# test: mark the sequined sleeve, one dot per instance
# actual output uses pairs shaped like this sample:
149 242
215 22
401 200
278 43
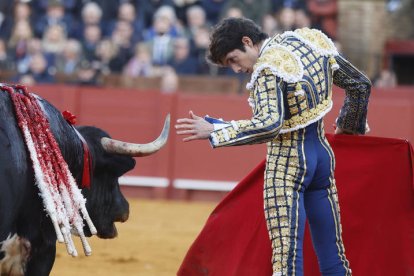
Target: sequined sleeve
353 114
266 121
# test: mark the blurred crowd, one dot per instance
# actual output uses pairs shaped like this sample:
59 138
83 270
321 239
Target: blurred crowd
85 39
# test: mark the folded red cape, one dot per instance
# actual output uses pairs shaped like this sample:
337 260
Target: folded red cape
375 185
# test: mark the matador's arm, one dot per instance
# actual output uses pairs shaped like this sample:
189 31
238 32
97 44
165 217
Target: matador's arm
266 121
353 114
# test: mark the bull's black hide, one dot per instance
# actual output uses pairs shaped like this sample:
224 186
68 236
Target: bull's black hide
21 208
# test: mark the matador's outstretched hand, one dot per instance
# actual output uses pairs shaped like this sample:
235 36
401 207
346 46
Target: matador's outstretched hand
194 127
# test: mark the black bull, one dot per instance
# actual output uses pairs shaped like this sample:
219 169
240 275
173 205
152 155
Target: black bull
21 208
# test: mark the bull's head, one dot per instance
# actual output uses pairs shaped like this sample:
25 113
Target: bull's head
105 202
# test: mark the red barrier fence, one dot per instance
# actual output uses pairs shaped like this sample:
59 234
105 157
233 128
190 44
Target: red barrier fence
188 170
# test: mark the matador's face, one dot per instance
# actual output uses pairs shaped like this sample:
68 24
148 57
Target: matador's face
242 61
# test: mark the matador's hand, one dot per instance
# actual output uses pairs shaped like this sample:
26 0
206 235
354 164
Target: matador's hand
195 127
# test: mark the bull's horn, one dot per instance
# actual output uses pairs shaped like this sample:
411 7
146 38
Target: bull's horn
137 150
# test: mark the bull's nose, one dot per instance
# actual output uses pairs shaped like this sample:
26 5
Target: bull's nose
122 217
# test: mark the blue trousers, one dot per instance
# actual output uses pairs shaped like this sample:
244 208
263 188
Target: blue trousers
300 184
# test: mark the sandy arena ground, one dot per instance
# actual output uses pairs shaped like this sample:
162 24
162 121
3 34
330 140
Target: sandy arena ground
152 242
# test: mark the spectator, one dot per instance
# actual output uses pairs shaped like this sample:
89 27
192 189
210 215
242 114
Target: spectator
87 74
196 19
91 15
128 14
20 36
213 9
160 37
106 53
181 8
270 25
6 7
54 40
250 8
234 12
71 7
122 37
6 63
69 60
169 81
165 22
302 19
286 19
91 38
55 15
38 70
200 41
21 12
147 8
182 62
140 64
109 8
278 5
34 46
124 23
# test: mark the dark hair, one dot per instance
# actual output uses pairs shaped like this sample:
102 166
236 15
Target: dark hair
227 36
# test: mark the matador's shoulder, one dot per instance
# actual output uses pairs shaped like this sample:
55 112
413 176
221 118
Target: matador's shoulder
315 39
280 61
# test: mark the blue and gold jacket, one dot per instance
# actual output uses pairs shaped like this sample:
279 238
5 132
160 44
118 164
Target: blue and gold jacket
291 88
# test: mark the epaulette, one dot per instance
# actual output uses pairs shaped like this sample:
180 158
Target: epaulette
318 41
281 62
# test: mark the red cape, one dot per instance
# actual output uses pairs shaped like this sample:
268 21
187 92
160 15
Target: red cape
375 184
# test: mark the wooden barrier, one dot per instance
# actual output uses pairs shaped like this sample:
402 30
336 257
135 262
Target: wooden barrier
186 83
193 170
209 85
